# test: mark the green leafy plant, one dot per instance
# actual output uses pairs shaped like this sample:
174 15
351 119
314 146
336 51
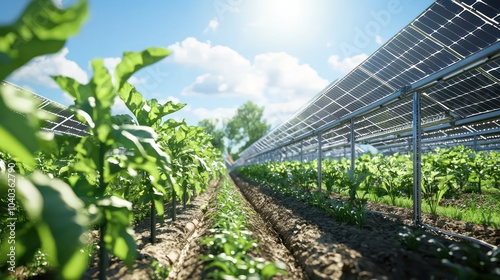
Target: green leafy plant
159 271
411 239
231 241
98 182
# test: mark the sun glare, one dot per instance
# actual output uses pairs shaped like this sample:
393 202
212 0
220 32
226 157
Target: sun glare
282 18
284 14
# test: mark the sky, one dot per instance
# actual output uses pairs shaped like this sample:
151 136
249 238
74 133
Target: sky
276 53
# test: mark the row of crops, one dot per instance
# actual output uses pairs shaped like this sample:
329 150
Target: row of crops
447 174
55 189
231 241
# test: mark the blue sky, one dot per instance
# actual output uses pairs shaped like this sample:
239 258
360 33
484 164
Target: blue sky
276 53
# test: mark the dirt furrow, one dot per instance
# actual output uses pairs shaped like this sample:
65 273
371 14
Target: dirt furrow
270 245
172 239
328 249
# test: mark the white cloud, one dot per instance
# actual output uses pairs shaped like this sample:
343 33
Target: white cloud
68 99
41 68
347 64
58 3
110 63
169 98
136 81
217 113
173 99
119 107
378 39
272 80
212 26
228 73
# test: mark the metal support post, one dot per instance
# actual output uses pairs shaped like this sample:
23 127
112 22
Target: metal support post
474 145
320 159
353 146
301 151
417 159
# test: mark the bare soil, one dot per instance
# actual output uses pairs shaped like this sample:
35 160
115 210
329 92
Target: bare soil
310 243
176 241
179 245
328 249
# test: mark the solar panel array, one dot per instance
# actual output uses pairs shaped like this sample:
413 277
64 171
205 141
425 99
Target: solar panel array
442 36
64 120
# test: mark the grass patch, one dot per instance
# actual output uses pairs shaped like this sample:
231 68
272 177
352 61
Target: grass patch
473 208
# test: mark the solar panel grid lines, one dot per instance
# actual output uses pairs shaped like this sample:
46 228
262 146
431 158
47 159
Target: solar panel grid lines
447 39
65 121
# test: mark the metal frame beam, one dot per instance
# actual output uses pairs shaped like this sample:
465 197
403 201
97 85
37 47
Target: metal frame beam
460 67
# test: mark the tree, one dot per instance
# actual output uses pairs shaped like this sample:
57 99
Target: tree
245 127
217 134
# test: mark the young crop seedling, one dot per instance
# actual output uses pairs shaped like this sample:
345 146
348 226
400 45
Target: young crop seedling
231 241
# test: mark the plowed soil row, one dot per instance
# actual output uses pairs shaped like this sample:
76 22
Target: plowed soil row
328 249
174 240
270 248
179 245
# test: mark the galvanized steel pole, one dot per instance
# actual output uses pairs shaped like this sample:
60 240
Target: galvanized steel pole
320 159
353 146
417 159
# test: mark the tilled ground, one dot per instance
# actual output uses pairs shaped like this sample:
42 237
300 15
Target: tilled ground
179 245
270 248
174 243
328 249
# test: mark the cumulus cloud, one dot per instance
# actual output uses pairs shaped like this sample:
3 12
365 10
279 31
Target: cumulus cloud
40 69
212 26
119 107
347 64
136 81
378 39
58 3
110 63
217 113
268 79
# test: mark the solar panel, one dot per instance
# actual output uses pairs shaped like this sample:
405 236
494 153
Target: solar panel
65 121
442 36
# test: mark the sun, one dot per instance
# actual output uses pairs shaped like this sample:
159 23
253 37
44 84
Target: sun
281 23
284 14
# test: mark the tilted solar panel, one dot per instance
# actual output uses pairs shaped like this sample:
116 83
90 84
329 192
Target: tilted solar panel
443 35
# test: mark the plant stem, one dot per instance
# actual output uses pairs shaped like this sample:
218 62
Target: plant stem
153 222
103 254
174 205
184 194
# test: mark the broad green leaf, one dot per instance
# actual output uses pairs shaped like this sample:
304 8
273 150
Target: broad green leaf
102 87
59 228
19 124
141 139
132 99
76 90
119 237
158 202
19 141
122 119
134 61
171 107
149 113
42 29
